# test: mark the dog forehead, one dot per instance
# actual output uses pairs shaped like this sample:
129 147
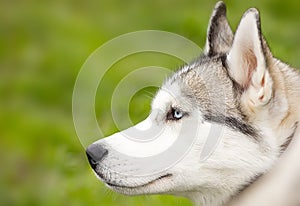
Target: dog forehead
167 95
204 68
201 83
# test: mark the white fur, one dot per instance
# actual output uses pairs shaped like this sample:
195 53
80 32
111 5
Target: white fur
237 158
199 181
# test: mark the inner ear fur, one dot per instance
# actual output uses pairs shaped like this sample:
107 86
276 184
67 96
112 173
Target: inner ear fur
248 60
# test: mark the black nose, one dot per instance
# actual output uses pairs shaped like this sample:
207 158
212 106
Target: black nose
95 154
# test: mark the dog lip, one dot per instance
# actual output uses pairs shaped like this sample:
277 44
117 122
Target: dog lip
143 185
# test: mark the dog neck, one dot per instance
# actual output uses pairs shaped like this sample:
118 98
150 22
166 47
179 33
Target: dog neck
213 197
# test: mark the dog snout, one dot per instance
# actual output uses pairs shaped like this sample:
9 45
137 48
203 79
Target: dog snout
95 154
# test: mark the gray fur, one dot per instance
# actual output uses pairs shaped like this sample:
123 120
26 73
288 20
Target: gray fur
219 34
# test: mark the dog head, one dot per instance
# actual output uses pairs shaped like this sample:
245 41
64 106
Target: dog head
208 132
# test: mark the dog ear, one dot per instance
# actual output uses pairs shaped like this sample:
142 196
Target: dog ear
219 34
247 60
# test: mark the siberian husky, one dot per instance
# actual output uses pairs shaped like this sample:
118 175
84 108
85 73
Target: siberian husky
235 87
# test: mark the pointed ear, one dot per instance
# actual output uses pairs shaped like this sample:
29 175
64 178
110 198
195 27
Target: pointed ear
247 60
219 34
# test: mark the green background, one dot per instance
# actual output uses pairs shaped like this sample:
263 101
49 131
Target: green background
43 45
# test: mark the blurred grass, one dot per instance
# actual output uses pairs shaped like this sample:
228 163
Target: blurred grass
42 47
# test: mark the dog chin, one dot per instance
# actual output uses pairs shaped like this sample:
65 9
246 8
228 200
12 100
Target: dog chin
154 186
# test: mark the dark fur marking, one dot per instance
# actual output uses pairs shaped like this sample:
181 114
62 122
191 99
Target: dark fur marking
289 139
235 124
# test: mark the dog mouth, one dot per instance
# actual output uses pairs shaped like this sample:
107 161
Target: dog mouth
139 186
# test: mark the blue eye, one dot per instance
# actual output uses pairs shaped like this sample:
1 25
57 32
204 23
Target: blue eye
175 114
